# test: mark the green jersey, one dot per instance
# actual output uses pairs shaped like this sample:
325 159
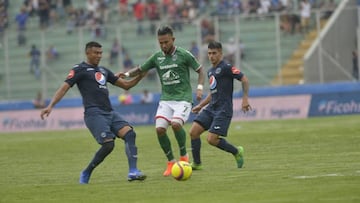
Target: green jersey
174 73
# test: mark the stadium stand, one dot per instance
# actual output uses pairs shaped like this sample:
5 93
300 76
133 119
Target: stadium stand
259 36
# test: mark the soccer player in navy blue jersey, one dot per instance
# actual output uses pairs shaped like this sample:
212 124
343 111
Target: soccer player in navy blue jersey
104 123
216 110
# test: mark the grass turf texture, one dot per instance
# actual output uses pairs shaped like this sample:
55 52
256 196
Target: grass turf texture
312 160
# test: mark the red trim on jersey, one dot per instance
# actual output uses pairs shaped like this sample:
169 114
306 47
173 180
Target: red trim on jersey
234 70
71 74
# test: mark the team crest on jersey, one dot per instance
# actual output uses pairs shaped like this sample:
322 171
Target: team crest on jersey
218 70
100 78
174 57
71 74
212 82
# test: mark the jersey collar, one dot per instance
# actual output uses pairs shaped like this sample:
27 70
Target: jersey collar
172 53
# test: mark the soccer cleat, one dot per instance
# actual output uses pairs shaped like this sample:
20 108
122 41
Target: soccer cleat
185 158
84 177
136 175
239 157
167 172
195 166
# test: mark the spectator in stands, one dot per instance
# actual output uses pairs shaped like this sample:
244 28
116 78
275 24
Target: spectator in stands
328 8
32 7
175 16
71 21
39 101
231 49
146 97
153 14
98 29
3 20
264 8
21 20
52 53
207 31
35 61
194 49
128 62
305 12
114 51
139 13
125 98
123 8
44 14
355 65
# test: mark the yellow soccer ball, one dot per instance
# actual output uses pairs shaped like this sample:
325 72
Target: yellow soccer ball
181 170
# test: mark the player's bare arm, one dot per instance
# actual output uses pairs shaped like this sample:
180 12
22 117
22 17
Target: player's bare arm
245 98
131 73
200 87
127 84
202 103
59 94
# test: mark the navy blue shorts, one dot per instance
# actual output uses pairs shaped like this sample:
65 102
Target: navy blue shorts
214 122
104 125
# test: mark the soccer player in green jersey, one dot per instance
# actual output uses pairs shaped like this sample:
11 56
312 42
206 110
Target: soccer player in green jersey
173 65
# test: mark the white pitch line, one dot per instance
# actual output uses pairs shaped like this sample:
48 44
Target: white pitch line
318 176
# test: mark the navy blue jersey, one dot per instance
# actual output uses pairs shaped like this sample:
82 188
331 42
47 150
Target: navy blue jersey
92 84
221 80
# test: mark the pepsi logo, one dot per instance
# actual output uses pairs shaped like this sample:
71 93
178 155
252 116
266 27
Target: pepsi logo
100 78
212 82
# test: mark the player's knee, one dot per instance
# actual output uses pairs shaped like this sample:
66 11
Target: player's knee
108 146
160 131
193 134
176 124
212 140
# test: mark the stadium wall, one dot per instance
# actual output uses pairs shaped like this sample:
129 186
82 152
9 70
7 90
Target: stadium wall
268 103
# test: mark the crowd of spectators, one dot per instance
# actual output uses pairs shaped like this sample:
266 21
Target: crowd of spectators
95 14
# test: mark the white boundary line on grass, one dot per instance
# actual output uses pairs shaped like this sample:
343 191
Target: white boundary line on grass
326 175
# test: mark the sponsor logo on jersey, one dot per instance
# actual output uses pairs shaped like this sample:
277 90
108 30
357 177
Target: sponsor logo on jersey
89 69
100 78
212 82
170 78
71 74
168 66
161 59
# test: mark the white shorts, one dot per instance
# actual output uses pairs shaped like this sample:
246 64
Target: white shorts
177 111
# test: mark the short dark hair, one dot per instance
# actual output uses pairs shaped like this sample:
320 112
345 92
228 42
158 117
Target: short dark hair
214 45
92 44
164 30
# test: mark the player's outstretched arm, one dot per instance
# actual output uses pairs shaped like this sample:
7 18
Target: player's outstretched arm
127 84
131 73
202 103
59 94
200 87
245 98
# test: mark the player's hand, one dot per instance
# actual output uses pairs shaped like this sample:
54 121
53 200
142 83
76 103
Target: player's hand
199 94
246 107
45 113
196 109
120 75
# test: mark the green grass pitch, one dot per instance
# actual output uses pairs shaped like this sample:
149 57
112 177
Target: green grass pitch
305 160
